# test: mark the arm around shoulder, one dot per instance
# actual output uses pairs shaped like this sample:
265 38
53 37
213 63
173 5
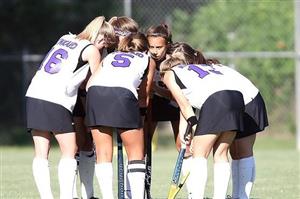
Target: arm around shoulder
146 85
92 55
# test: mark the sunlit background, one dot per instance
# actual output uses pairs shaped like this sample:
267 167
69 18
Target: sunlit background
255 37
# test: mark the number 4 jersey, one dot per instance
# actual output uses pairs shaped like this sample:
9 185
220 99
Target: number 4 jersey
198 82
58 70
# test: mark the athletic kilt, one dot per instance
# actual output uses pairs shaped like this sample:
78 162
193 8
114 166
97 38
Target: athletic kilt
255 117
47 116
222 111
163 110
79 110
113 107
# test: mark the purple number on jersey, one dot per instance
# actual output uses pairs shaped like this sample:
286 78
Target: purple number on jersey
202 73
122 60
139 54
54 63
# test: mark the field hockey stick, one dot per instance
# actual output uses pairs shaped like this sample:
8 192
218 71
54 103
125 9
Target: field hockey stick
148 157
175 184
121 194
148 167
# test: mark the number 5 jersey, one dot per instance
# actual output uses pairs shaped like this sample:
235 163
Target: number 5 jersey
122 69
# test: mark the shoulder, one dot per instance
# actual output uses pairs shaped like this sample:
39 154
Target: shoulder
169 76
90 51
151 64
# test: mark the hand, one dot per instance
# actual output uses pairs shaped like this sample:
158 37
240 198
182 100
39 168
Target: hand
188 150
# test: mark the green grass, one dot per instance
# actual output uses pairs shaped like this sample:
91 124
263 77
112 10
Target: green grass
277 175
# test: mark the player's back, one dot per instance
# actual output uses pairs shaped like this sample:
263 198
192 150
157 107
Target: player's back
201 81
122 69
55 72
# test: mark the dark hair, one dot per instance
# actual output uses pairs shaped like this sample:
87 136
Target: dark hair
212 61
134 42
161 30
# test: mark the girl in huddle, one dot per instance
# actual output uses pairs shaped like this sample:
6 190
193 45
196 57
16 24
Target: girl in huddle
116 92
217 92
254 118
51 97
161 106
123 26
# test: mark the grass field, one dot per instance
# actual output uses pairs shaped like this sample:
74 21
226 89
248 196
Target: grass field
278 174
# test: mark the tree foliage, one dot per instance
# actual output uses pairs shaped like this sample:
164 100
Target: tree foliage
249 26
36 25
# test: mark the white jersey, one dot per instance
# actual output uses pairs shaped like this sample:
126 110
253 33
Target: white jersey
60 74
201 81
122 69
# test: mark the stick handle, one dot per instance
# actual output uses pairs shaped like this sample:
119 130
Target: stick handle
121 194
188 131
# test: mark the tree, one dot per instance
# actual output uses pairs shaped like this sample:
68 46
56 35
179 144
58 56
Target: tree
249 26
36 25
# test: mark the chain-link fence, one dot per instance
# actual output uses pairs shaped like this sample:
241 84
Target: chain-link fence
255 37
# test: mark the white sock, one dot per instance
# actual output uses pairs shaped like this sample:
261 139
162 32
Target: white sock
221 179
104 173
198 177
41 174
186 168
75 194
246 177
235 178
86 173
127 189
66 176
136 177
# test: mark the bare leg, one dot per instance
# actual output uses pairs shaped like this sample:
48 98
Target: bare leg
86 162
202 145
221 164
243 166
133 141
103 139
67 164
40 167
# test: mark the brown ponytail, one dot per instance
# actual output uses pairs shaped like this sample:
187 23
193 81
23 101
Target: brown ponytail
134 42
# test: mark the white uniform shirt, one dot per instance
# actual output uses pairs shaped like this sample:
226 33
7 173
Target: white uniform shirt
201 81
56 80
122 69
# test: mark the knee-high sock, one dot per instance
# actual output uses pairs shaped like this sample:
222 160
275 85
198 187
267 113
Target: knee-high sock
75 194
86 173
198 177
136 177
186 168
66 176
221 179
246 176
104 173
235 178
41 174
127 184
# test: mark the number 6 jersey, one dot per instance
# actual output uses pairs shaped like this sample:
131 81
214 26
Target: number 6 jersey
57 72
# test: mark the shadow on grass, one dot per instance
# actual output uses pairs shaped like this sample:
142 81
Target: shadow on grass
203 198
